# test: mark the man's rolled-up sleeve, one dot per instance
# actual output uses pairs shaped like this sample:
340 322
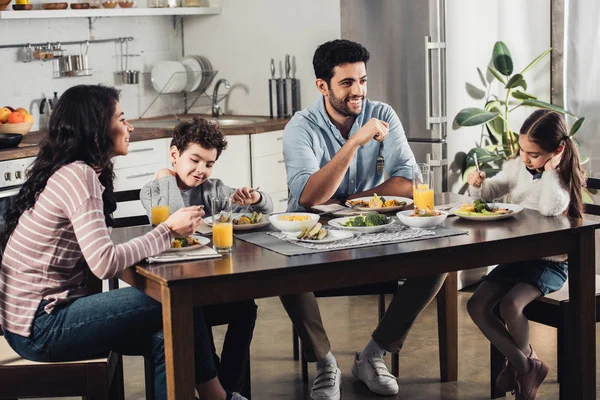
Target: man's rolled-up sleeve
300 159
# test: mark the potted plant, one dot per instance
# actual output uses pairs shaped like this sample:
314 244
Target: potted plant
498 141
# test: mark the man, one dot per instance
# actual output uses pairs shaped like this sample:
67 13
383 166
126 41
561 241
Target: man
331 151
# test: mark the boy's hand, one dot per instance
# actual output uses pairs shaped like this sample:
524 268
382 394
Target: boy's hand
164 172
246 196
476 179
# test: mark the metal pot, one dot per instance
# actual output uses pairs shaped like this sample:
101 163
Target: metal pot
131 77
73 65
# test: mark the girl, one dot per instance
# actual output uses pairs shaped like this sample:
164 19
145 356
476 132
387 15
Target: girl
59 224
195 148
547 177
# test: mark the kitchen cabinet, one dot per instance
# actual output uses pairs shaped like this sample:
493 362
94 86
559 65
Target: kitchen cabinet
233 165
268 167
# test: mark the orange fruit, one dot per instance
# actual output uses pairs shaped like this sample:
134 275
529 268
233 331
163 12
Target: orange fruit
28 118
22 111
16 118
4 113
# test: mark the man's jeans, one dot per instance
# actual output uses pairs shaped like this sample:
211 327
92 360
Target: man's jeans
124 320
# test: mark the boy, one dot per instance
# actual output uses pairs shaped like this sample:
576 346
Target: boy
195 148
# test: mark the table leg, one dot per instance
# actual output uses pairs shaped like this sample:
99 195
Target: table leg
447 309
178 325
583 318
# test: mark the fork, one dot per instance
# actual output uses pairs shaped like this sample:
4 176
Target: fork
380 160
476 162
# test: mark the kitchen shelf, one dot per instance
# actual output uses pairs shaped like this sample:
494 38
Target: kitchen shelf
109 12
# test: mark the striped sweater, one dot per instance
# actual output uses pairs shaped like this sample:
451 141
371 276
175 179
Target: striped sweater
42 257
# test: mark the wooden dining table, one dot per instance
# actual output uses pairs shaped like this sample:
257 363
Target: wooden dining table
255 272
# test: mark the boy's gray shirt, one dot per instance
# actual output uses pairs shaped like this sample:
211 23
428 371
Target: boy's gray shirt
165 192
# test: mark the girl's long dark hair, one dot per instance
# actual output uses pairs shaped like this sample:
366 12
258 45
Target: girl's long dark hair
548 130
78 131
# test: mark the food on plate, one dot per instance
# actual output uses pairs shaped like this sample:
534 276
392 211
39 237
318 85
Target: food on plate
368 220
184 242
376 202
317 232
480 207
292 217
247 220
425 212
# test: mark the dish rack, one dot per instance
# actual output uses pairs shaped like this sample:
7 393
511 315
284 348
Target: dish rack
190 99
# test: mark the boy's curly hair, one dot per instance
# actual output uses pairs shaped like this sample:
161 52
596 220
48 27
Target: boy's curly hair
201 131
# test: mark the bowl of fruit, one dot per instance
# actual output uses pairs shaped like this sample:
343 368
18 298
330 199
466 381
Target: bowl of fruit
15 120
422 218
294 221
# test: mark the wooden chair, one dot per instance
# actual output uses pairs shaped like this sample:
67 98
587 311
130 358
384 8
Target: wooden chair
551 310
447 308
99 379
129 195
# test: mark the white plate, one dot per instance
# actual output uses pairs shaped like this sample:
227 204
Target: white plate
168 77
194 73
203 242
264 221
474 217
332 236
382 209
338 223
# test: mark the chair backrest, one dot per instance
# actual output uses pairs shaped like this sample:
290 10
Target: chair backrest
129 195
592 183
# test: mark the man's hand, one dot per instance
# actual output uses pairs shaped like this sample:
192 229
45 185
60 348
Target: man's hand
374 129
165 172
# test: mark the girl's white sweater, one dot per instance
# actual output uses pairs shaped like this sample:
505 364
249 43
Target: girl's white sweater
546 194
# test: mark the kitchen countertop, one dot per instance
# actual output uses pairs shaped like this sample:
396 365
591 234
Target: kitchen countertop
29 145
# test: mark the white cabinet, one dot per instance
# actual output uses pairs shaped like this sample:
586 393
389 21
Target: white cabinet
233 166
268 167
137 168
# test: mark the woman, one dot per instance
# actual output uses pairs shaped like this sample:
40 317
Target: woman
59 224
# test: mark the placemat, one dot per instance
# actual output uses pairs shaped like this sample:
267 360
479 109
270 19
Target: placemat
396 233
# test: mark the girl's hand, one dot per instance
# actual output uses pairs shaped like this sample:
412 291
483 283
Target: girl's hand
246 196
164 172
185 221
552 162
476 179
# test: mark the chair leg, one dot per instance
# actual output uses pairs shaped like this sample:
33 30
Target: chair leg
119 385
381 305
496 362
563 356
149 377
447 311
295 341
396 364
304 367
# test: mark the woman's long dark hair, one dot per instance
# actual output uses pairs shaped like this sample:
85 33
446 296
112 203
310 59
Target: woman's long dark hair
78 131
548 130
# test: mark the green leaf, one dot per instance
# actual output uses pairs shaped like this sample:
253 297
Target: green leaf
502 59
506 146
497 74
583 159
517 94
496 126
485 84
472 117
576 126
538 58
513 81
587 198
543 104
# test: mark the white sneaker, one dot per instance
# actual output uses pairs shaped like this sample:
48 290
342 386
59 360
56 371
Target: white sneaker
326 385
373 372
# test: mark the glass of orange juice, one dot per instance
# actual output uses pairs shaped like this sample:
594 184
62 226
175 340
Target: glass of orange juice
159 214
222 224
423 186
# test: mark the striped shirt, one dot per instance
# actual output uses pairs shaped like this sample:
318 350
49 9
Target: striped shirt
42 259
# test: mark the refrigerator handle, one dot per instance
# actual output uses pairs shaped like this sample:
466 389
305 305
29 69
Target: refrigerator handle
429 119
427 86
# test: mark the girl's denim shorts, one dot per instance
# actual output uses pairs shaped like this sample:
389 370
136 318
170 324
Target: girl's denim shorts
547 275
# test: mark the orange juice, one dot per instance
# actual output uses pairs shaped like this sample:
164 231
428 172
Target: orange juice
423 196
159 214
222 236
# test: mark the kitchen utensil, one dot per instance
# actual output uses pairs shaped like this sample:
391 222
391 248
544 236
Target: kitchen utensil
295 90
380 160
8 140
168 77
279 93
194 73
287 89
476 162
271 85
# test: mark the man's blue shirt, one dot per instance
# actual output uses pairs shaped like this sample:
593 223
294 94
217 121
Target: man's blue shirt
311 140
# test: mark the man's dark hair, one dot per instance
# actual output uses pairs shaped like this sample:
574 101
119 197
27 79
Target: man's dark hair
201 131
337 52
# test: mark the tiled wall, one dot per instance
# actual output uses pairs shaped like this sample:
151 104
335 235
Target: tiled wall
155 39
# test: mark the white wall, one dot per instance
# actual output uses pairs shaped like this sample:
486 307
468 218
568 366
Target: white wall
242 40
473 26
24 83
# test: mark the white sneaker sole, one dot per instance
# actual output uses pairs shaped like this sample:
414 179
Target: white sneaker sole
375 387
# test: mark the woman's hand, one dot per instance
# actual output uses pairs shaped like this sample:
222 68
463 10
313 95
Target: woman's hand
185 221
164 172
476 179
246 196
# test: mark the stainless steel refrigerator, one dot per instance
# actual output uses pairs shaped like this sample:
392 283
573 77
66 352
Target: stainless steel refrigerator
407 70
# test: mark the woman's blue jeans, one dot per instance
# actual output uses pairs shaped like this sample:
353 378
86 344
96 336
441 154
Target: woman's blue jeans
124 320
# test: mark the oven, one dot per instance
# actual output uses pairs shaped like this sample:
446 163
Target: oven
12 176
